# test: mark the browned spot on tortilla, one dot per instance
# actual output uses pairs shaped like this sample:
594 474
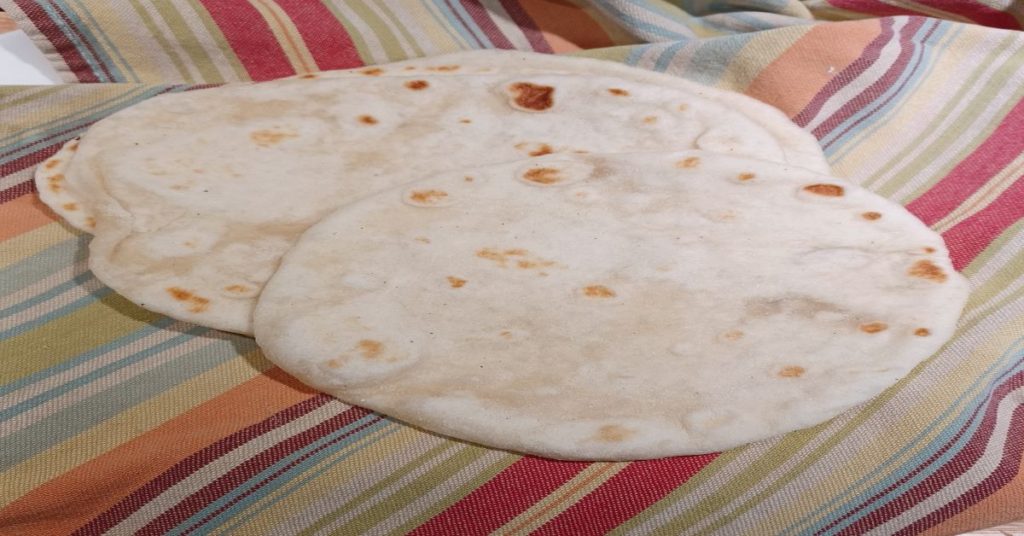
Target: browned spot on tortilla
199 303
427 197
374 71
267 137
599 291
333 363
581 151
417 85
533 96
368 120
926 269
444 68
612 433
466 121
922 332
54 183
529 265
929 250
456 282
618 92
871 215
733 335
238 289
410 68
423 239
70 206
90 222
517 252
52 163
308 76
467 178
745 176
539 149
503 257
370 348
179 187
542 175
792 371
189 244
650 119
73 145
506 333
874 327
827 190
683 107
688 162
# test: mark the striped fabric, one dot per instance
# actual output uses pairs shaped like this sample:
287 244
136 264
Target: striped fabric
114 419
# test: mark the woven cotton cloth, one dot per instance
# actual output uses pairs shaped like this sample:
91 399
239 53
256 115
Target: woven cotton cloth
115 419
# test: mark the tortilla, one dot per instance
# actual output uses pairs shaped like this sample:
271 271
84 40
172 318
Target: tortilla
612 307
193 197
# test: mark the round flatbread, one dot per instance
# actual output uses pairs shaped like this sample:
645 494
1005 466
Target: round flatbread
612 307
193 197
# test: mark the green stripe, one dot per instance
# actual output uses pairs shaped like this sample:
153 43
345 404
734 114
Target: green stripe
84 104
27 94
154 31
458 494
377 26
222 43
419 488
110 48
201 61
369 493
401 28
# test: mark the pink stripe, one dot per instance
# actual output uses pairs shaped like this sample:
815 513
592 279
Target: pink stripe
997 151
970 237
847 75
486 25
879 86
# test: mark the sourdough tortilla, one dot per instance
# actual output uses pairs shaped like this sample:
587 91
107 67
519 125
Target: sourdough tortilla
193 197
612 307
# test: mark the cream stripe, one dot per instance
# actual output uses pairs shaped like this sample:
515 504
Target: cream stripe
565 496
461 42
446 453
172 41
77 292
871 152
61 276
127 425
342 484
375 49
101 384
408 50
226 462
440 491
218 61
287 35
63 377
31 243
421 23
978 472
983 196
509 29
887 56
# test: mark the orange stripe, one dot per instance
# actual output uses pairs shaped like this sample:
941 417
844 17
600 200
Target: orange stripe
565 26
72 499
564 496
23 215
794 78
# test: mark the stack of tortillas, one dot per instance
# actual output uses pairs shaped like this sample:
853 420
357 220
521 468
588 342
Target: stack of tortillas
557 256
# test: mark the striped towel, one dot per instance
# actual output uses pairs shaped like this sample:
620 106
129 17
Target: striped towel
116 419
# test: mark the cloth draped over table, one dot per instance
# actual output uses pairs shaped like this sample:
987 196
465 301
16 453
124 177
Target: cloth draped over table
116 419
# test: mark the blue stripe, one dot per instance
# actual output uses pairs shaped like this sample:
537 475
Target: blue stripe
467 26
93 23
67 309
669 54
965 416
313 454
79 279
712 57
634 23
54 9
43 264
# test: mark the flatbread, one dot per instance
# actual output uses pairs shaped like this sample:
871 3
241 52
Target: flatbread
193 197
612 307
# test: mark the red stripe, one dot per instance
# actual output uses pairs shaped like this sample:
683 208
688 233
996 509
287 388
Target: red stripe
250 37
878 87
976 12
625 495
892 94
510 493
186 467
323 34
970 237
847 75
963 461
527 25
55 35
997 151
486 25
873 7
198 500
1004 473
